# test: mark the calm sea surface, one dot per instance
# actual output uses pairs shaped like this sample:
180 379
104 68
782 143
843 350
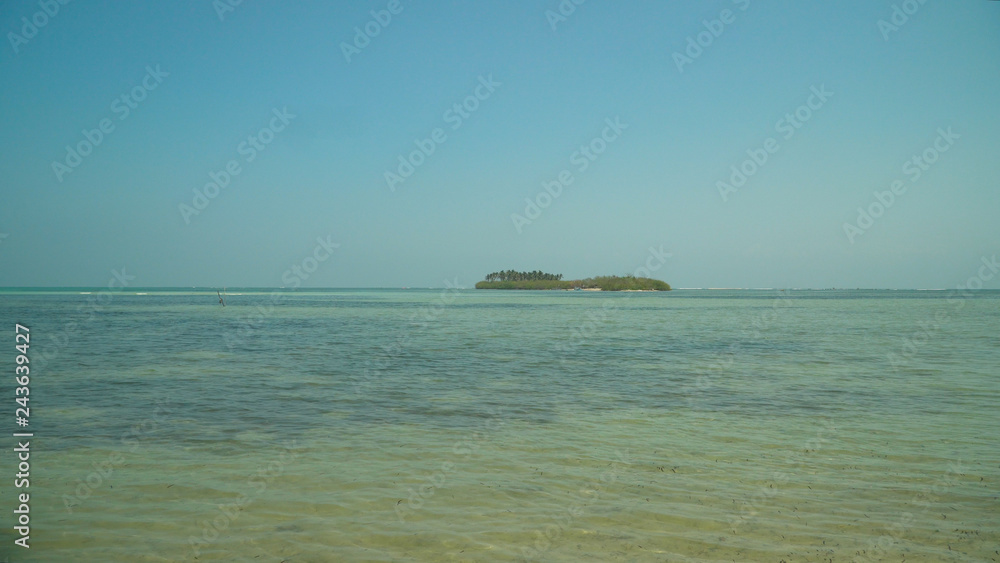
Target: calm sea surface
446 425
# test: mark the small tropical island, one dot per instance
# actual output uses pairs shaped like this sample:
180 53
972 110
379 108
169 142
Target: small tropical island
510 279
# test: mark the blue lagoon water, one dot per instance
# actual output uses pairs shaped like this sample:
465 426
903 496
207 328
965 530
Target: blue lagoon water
462 425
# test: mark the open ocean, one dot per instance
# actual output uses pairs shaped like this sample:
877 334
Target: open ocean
463 425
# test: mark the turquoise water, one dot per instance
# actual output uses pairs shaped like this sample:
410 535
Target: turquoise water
444 425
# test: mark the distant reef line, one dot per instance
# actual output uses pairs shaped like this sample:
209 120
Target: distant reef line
539 280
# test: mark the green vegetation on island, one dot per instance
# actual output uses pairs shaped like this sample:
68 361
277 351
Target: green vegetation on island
510 279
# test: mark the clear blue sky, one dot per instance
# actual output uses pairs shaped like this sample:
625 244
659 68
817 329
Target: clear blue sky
323 174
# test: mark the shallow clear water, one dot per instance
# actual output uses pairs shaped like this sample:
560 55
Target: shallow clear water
430 425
